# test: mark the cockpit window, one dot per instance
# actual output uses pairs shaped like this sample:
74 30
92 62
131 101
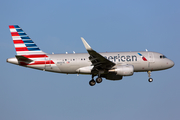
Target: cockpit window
162 56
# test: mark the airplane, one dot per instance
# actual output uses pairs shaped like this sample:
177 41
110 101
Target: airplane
112 65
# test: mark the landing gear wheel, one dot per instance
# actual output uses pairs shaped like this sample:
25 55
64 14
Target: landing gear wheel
150 79
98 79
92 82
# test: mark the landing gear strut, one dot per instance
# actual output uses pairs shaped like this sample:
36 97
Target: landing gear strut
149 75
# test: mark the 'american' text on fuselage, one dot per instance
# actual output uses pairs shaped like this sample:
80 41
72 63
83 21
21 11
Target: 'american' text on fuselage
123 58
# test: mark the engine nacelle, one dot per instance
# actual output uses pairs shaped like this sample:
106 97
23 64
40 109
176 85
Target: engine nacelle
123 70
113 76
85 70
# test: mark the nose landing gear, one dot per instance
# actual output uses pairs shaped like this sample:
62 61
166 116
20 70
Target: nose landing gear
150 79
149 75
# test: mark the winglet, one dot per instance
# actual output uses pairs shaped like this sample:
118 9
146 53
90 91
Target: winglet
86 44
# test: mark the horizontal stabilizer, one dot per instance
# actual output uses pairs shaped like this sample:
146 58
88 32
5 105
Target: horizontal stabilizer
21 58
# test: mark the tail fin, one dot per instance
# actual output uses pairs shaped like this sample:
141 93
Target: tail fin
22 42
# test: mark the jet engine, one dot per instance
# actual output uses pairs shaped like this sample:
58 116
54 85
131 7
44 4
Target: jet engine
85 70
123 70
113 76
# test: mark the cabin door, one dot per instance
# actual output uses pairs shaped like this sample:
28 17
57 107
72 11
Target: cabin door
150 59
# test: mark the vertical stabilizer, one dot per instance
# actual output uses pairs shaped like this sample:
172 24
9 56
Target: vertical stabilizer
22 42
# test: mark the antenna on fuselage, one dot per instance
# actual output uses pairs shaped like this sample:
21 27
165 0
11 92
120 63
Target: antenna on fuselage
146 50
74 52
66 52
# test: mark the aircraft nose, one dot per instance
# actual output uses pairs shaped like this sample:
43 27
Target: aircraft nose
171 63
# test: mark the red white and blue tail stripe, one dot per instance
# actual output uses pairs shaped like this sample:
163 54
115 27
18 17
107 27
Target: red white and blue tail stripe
22 42
28 53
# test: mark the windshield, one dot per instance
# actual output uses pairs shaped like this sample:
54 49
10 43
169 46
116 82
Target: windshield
162 56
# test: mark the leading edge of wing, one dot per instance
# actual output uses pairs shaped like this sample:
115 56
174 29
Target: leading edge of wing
97 59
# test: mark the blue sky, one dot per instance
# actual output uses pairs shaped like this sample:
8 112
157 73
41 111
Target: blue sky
116 25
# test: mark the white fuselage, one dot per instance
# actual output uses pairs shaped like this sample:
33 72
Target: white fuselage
70 63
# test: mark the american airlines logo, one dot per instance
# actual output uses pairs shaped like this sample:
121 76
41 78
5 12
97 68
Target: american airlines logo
142 57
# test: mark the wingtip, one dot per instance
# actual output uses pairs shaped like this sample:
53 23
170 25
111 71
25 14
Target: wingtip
87 46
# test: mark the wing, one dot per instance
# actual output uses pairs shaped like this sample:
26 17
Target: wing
99 62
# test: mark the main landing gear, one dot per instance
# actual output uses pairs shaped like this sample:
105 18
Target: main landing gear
149 75
93 82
